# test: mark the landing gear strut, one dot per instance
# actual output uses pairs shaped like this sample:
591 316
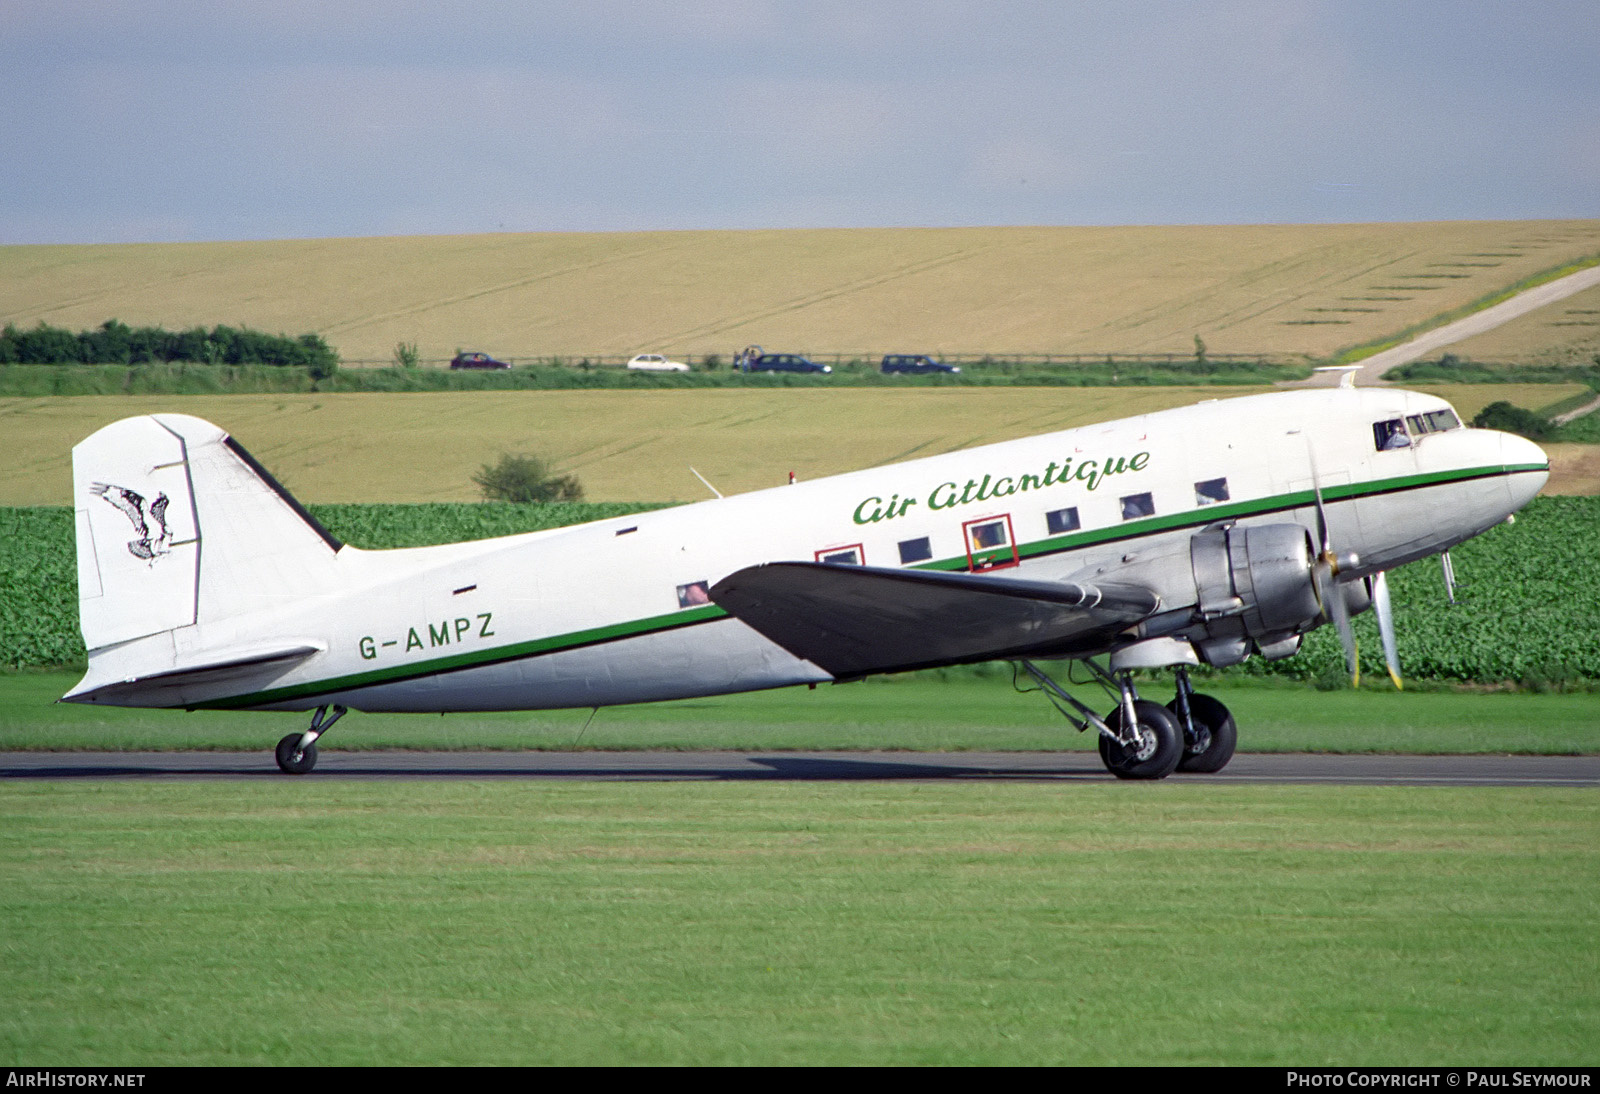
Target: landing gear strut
1138 740
1145 740
297 752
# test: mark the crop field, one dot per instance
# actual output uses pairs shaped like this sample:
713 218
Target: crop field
1275 289
625 446
1525 611
1565 332
297 922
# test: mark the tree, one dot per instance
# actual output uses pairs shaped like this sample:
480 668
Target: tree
1514 419
524 478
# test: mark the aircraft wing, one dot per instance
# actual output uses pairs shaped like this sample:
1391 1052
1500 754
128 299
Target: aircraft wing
857 620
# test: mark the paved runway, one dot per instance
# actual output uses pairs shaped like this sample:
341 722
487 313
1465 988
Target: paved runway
1070 767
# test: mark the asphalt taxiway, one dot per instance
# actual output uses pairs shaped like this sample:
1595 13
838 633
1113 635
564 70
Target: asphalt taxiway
1069 767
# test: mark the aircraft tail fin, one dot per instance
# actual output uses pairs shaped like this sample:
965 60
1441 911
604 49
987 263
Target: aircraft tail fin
178 526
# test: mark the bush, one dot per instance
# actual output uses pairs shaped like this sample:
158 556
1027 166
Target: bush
1514 419
525 479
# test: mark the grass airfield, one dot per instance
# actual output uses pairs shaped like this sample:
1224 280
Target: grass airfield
972 709
305 923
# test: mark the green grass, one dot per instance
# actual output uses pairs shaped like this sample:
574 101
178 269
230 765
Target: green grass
306 923
969 711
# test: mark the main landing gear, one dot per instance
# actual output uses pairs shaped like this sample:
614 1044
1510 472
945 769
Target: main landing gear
1140 739
297 752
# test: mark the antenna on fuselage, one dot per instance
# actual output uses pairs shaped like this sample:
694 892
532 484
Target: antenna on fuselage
709 487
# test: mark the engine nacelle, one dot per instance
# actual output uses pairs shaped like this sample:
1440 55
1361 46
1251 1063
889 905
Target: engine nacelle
1253 588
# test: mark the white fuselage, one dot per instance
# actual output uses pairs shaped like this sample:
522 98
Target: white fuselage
615 612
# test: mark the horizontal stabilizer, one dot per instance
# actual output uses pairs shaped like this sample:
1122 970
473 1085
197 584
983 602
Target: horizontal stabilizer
857 620
218 666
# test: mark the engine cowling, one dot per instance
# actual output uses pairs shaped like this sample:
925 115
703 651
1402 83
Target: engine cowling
1254 590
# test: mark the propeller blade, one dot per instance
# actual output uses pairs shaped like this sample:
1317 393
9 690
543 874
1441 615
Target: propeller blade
1381 609
1323 573
1324 539
1338 613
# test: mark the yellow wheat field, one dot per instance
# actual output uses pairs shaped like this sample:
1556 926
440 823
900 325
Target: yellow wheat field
1566 332
623 445
1274 289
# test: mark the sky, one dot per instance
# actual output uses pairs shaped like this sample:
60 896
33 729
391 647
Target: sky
149 121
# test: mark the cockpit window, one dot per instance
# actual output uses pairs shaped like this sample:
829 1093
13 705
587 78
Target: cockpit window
1390 435
1434 421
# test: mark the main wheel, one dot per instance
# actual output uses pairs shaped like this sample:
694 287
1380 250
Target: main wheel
286 755
1159 744
1215 735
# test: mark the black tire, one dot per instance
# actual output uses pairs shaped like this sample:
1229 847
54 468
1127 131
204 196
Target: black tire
1218 736
1162 744
286 759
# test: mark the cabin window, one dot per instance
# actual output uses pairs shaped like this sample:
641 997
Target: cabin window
694 594
990 543
1211 491
1062 520
1390 435
915 550
1135 506
841 556
1418 426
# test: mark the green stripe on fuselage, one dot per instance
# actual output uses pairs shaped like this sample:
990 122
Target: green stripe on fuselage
709 613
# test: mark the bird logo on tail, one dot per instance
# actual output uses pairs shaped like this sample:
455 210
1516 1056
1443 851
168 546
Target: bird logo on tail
133 507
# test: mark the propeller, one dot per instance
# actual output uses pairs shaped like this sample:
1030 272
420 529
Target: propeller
1324 574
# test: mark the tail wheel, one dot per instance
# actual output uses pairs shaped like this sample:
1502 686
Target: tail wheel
1157 747
294 760
1215 735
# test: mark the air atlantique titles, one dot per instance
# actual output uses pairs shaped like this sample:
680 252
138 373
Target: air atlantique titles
947 495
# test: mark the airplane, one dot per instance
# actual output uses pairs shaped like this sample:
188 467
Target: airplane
1205 534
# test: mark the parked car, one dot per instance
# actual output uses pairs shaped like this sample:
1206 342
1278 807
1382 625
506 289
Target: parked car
654 362
476 360
914 362
782 362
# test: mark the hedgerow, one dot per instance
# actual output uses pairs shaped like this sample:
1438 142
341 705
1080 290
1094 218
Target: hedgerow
116 343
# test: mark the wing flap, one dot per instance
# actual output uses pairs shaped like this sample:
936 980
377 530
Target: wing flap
857 620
